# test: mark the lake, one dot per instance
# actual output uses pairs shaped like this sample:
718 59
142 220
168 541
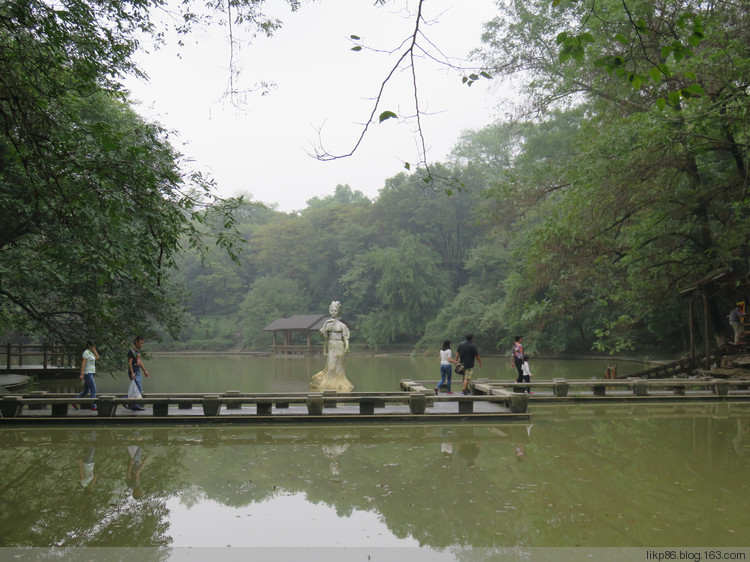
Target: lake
247 373
628 476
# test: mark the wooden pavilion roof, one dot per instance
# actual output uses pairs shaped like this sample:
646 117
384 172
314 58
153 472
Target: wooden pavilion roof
297 323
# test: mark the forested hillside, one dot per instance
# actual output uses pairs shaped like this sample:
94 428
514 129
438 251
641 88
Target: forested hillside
620 176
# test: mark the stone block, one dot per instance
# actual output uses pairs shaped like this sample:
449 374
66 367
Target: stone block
560 387
38 394
599 389
161 408
233 394
519 402
106 406
640 387
315 404
11 406
59 410
465 406
721 387
264 408
417 403
211 405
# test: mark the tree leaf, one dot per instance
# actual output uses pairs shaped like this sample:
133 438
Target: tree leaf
387 115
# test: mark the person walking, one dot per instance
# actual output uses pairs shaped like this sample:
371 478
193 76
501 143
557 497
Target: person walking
136 366
466 354
446 371
88 370
516 357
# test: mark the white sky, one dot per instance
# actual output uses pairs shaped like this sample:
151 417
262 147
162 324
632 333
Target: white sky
264 148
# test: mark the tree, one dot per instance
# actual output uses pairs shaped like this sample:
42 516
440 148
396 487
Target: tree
269 298
407 285
95 205
650 195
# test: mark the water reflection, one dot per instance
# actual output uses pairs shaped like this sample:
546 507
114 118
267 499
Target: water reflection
658 478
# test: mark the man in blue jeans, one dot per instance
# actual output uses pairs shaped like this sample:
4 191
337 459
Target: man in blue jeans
88 370
136 366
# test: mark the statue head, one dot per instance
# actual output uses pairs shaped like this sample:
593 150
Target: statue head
334 309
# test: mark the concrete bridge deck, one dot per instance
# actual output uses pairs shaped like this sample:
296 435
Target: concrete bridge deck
415 402
233 406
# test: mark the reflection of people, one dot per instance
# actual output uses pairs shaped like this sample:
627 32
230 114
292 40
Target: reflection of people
519 438
86 466
136 366
445 367
735 320
88 371
741 441
135 466
466 353
516 357
336 345
469 452
526 371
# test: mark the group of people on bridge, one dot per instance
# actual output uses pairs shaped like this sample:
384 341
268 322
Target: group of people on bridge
467 355
136 370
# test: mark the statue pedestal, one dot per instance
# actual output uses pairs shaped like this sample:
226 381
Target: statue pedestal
325 381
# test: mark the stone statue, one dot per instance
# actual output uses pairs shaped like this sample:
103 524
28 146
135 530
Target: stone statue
336 336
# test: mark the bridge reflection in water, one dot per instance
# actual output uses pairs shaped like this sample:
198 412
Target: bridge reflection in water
619 475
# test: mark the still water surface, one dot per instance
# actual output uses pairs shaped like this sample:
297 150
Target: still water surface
575 476
219 373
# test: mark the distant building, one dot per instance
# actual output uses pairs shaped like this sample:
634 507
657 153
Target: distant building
286 327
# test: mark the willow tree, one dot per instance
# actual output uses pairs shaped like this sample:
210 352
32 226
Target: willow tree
653 190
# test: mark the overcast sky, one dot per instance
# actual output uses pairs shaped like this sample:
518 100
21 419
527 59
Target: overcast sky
321 86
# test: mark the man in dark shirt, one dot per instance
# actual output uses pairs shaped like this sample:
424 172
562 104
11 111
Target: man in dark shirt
466 353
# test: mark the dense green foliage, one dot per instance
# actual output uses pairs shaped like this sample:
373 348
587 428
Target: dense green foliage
621 178
626 199
94 202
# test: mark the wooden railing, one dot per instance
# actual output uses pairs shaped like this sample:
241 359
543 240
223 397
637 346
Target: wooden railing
39 356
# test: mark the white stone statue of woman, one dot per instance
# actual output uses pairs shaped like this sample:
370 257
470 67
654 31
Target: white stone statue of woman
336 336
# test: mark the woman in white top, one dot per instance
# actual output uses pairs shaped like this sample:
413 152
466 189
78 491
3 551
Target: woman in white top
526 370
88 370
445 367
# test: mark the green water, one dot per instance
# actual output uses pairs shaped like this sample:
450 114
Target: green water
567 478
574 476
219 373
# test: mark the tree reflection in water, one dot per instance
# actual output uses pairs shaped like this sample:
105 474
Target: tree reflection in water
645 477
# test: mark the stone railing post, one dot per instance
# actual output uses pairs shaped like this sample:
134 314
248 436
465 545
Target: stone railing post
560 387
211 405
417 403
315 404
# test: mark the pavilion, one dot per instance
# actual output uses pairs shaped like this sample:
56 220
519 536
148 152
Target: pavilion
306 323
